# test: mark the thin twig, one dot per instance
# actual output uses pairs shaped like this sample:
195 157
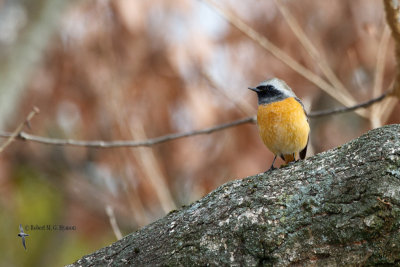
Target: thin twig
380 60
312 50
170 137
387 107
151 169
365 104
283 56
18 130
113 222
376 115
113 144
392 19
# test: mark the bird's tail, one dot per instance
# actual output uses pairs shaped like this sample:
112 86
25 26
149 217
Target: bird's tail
289 158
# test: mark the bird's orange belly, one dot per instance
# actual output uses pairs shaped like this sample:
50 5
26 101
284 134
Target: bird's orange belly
283 126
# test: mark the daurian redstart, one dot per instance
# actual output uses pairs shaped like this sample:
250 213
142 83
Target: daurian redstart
282 121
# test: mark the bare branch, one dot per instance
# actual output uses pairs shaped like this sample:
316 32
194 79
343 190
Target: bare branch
377 111
18 130
392 19
312 50
165 138
103 144
365 104
113 222
284 57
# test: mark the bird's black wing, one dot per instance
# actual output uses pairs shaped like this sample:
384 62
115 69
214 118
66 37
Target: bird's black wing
303 153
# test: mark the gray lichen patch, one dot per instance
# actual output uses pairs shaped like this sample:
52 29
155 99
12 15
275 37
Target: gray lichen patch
337 208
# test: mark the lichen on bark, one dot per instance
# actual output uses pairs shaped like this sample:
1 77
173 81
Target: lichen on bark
340 207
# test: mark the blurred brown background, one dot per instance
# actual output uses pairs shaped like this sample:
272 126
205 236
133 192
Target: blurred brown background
132 70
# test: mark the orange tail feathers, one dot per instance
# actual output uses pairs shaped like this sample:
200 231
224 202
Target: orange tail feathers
289 158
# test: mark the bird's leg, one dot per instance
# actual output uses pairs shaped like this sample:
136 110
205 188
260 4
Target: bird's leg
272 165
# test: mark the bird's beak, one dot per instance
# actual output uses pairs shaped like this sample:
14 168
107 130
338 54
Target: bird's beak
254 89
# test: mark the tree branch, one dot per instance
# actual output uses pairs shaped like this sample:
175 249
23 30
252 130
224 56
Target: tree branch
113 144
335 111
392 9
308 213
18 130
169 137
344 98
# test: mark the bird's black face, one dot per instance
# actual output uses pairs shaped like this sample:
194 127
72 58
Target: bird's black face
268 94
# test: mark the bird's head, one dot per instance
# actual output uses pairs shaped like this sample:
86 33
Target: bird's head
272 90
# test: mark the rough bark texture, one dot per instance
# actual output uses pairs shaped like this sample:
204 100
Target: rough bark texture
340 207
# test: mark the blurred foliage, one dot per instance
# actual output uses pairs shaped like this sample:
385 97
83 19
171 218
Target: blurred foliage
139 69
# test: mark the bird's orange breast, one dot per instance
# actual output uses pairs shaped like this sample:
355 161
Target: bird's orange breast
283 126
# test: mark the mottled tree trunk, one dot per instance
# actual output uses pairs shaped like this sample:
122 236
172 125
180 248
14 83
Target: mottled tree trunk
340 207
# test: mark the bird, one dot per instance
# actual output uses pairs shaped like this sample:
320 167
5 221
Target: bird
282 120
22 235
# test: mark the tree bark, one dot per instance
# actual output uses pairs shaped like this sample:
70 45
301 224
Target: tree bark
340 207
